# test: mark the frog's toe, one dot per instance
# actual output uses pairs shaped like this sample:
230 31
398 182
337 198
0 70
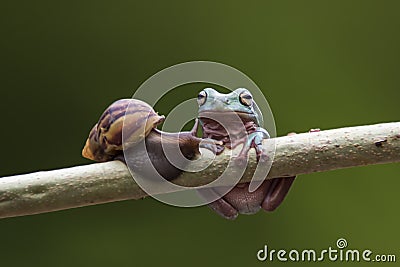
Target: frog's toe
277 192
224 209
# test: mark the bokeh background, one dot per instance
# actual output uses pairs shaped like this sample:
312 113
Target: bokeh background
323 64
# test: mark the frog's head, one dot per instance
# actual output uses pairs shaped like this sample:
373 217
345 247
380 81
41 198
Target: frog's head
239 101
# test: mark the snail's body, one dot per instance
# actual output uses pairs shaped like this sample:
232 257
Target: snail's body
156 143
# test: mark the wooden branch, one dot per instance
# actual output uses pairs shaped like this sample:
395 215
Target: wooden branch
111 181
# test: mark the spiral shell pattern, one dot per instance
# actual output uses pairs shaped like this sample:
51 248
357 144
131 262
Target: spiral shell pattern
105 139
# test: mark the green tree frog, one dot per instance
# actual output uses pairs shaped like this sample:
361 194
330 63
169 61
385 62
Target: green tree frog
235 119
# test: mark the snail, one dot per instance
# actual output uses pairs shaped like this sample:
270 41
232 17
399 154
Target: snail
105 142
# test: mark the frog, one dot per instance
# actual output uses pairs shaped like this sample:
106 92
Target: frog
235 119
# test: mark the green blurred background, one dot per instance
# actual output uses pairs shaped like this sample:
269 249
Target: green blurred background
323 64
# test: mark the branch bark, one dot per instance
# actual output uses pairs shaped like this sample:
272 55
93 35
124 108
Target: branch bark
97 183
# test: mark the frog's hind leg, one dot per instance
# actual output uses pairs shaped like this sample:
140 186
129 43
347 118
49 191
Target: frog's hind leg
238 200
280 188
277 192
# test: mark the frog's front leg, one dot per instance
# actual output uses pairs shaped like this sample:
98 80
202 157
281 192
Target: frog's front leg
255 140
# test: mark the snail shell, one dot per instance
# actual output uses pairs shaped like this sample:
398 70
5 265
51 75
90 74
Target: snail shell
105 139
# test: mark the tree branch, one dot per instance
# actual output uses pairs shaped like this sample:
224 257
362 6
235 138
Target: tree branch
111 181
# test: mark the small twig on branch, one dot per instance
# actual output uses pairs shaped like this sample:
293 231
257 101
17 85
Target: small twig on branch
111 181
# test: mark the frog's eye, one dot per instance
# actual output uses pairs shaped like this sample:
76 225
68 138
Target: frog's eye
201 98
246 98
